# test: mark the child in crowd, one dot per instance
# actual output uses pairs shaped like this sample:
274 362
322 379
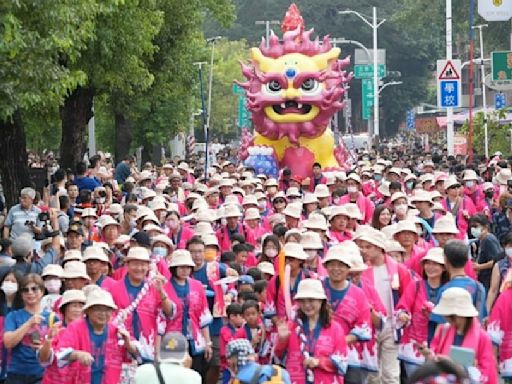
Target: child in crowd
234 321
253 329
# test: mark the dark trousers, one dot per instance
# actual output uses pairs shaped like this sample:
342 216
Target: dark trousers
200 365
13 378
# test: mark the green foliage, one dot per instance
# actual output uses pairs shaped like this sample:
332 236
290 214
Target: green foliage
498 134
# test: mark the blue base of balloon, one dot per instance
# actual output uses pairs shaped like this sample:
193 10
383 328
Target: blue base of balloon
264 164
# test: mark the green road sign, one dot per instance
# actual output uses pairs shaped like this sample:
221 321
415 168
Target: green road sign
501 63
367 95
362 71
244 116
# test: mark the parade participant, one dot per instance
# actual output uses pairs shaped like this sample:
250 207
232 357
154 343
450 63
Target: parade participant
75 236
178 233
423 202
355 196
381 217
414 308
52 278
233 226
314 248
314 344
349 305
295 257
88 350
10 300
489 248
456 256
234 321
192 316
406 234
75 275
96 261
24 331
253 329
390 279
499 272
317 177
310 204
270 248
338 220
292 214
323 195
142 321
462 208
279 202
212 197
252 219
471 188
225 189
400 206
463 330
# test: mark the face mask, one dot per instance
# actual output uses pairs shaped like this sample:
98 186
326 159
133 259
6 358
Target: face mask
508 251
377 177
172 224
53 286
351 189
271 253
160 251
476 232
9 287
401 209
262 204
410 185
210 254
470 183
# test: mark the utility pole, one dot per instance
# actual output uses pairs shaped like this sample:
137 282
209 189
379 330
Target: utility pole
449 110
267 24
484 98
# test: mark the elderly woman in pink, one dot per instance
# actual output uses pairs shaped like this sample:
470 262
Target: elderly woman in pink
89 347
141 321
193 315
460 206
414 308
312 346
463 332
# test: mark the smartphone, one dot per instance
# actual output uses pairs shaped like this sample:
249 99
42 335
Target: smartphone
463 356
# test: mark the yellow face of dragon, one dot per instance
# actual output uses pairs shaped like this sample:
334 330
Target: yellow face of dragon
293 90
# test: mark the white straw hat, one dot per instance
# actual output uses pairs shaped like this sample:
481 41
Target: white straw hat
231 210
210 239
353 211
455 301
52 270
421 196
338 210
266 267
469 174
406 226
72 295
204 228
310 289
435 254
162 239
393 246
321 191
354 176
315 221
295 250
374 237
252 214
293 192
72 254
451 182
206 215
153 227
99 296
95 253
504 176
249 200
309 198
445 224
75 270
89 212
338 253
137 253
181 258
311 240
293 210
398 195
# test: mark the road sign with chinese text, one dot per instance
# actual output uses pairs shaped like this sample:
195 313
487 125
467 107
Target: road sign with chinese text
364 71
500 101
367 95
448 83
411 123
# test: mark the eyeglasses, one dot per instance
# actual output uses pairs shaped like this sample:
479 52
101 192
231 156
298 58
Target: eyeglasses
34 288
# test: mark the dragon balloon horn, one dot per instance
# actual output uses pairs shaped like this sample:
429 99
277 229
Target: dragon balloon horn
293 89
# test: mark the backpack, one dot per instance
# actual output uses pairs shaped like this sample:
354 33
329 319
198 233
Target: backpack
276 378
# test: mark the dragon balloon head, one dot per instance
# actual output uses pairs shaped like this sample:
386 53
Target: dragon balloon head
294 87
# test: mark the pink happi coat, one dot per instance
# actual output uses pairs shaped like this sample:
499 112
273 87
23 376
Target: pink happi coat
329 348
227 333
225 242
199 312
364 204
338 237
414 261
181 237
148 311
213 274
76 338
461 222
415 265
477 195
476 339
415 303
353 314
368 350
500 331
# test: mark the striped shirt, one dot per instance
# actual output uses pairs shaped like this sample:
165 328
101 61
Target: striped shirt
17 217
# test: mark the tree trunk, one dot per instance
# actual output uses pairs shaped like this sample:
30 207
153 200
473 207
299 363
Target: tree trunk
75 114
123 136
14 163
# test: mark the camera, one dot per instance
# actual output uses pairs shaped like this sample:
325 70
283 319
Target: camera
102 194
48 231
29 223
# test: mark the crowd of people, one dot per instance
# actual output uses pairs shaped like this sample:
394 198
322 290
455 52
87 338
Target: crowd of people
394 271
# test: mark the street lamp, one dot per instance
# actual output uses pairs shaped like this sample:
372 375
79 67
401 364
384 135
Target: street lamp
267 27
482 75
388 84
374 24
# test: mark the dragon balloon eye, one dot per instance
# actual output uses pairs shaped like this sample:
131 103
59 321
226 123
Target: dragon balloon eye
310 86
273 87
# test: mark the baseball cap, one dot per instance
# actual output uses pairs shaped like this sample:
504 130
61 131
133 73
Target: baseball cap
173 348
245 279
76 227
241 348
141 238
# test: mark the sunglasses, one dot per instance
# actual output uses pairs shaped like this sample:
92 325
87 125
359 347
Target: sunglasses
30 289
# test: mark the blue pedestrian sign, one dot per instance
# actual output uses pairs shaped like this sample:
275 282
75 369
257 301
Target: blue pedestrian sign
448 83
500 100
411 120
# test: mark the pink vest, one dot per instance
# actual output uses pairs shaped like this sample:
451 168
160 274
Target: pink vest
461 222
76 337
500 330
329 348
181 238
475 339
338 237
198 312
147 310
225 242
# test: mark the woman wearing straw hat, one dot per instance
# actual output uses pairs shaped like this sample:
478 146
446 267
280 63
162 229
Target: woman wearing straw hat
414 308
314 344
349 304
70 307
463 333
354 195
338 220
192 316
461 207
90 347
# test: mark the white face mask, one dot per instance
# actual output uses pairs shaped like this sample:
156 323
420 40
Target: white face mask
262 204
508 251
476 232
271 253
160 251
312 253
470 183
401 209
53 286
9 287
351 189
